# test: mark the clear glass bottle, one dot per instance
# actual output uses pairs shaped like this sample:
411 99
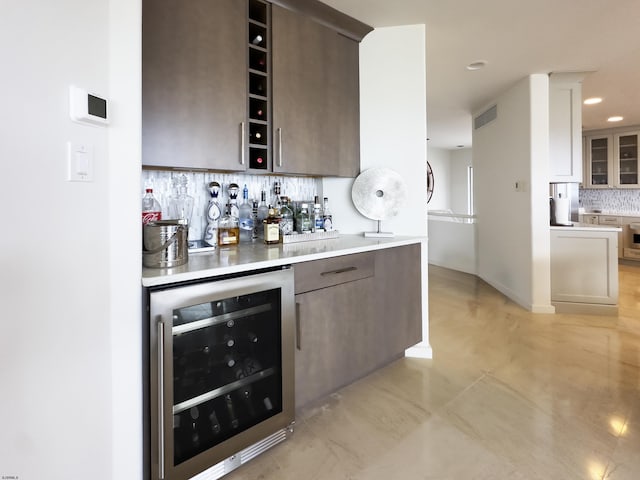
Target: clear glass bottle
244 217
303 223
318 221
181 203
233 191
213 215
327 217
228 231
286 217
263 209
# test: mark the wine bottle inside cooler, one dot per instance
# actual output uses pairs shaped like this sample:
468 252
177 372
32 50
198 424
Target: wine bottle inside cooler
231 411
215 423
245 394
195 437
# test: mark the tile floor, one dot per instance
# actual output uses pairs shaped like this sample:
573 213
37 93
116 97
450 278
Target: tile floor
508 395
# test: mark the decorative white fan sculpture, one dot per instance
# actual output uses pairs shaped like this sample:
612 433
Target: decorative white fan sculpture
378 194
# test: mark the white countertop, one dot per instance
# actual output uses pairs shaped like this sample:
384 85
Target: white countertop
588 226
247 257
609 213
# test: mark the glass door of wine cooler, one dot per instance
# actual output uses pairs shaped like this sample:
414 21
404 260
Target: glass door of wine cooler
221 369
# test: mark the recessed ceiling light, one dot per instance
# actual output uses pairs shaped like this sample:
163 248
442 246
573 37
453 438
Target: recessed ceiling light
460 146
592 100
477 65
615 119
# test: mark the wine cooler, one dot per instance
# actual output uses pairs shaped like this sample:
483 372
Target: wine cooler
220 373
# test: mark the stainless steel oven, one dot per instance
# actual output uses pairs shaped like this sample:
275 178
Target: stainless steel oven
633 235
220 373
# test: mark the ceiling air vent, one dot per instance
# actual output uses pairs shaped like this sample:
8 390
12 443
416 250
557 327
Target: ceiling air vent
487 116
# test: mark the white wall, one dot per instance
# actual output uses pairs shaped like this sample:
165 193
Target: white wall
70 251
460 161
512 226
392 127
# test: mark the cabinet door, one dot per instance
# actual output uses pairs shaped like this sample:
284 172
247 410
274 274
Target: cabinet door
335 333
626 160
599 161
399 297
194 94
565 136
315 98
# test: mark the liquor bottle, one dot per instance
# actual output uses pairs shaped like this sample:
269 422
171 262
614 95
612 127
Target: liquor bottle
303 221
263 209
327 217
271 226
255 231
244 217
233 199
228 231
151 209
181 203
286 217
318 221
213 215
275 199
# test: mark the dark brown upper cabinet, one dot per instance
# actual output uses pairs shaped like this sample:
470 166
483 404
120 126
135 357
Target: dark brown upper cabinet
316 122
198 106
194 84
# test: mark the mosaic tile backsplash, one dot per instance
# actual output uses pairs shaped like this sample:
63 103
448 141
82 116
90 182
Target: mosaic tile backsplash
162 182
614 200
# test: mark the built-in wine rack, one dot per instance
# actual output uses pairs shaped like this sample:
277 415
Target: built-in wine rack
259 98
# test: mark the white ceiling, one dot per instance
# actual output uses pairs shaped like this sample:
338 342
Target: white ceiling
516 38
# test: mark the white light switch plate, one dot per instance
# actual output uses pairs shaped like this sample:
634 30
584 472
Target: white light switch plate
80 162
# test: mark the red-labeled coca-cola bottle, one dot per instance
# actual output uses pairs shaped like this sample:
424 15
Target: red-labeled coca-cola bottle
151 209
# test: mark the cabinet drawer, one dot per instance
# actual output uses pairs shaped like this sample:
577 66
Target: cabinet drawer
333 271
608 220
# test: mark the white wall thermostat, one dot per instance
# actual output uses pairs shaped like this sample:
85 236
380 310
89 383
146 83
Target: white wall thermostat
85 107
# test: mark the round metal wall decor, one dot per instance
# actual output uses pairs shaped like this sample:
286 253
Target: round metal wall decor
378 193
429 182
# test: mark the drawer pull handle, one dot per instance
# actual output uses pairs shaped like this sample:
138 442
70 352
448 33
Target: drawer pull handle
298 333
340 270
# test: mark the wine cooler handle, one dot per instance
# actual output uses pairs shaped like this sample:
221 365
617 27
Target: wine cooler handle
160 327
298 334
279 147
340 270
242 140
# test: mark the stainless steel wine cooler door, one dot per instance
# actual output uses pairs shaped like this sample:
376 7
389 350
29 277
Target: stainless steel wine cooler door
221 369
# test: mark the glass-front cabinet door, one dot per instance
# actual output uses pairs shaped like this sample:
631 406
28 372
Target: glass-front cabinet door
627 164
599 156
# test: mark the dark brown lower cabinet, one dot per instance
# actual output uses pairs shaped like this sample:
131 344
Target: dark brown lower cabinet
355 313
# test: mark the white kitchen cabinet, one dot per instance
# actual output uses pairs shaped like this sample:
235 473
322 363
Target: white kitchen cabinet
612 160
599 161
565 125
626 165
584 266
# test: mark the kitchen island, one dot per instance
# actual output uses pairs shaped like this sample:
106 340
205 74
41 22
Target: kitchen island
584 268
